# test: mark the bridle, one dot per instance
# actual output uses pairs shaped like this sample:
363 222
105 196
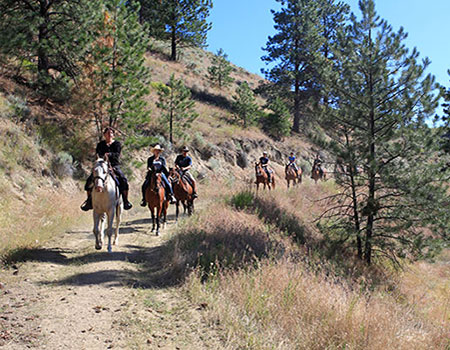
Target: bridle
103 179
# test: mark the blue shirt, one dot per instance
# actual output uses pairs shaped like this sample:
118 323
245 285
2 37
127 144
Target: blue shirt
264 160
292 159
183 161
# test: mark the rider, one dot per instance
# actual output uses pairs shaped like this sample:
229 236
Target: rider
183 162
317 163
264 161
157 163
292 163
109 149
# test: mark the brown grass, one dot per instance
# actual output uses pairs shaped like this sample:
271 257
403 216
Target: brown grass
282 306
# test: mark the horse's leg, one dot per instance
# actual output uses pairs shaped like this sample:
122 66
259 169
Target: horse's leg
110 228
152 210
158 216
177 208
116 231
97 230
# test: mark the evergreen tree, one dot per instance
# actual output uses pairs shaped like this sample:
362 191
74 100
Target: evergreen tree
219 71
392 187
300 49
277 123
116 76
244 104
183 22
57 33
177 107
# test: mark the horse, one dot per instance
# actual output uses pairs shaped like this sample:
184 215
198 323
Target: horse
317 175
261 177
292 176
106 202
155 197
182 191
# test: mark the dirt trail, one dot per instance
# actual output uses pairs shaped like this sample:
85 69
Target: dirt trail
69 296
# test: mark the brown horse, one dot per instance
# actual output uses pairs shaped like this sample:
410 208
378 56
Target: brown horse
262 178
317 175
156 199
292 176
182 191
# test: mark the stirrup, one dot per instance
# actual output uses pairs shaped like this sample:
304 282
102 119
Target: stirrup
194 195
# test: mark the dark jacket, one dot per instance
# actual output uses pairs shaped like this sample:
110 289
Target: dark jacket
113 150
159 166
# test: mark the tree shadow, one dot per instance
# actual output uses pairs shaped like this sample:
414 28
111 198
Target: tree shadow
212 99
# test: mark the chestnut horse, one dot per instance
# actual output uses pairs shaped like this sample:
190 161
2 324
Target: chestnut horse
156 199
262 178
292 176
317 175
182 191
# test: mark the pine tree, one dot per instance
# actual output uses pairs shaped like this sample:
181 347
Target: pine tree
116 75
299 49
392 188
219 71
277 123
57 33
177 107
183 22
244 105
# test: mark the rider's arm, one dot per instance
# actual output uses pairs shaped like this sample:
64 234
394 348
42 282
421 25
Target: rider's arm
149 162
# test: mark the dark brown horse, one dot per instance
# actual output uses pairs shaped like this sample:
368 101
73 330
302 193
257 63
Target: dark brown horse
262 178
318 173
182 191
156 199
292 176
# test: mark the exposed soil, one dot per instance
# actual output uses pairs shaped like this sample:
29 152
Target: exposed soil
67 295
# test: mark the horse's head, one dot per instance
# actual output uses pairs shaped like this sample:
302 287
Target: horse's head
174 175
100 172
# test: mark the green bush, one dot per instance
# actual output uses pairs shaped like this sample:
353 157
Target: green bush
243 200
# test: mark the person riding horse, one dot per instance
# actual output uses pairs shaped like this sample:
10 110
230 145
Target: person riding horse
157 163
109 149
317 164
291 163
264 161
183 163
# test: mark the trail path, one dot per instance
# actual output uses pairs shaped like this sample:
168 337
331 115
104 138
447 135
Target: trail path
67 295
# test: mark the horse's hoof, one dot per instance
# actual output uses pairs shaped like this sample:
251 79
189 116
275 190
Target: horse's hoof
109 249
98 247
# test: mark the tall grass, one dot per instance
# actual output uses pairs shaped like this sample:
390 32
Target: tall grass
280 305
29 223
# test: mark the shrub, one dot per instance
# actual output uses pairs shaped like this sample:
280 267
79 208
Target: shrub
62 165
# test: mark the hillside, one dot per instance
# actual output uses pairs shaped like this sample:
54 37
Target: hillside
246 271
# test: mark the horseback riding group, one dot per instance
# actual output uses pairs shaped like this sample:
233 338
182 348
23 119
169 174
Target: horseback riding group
107 187
265 174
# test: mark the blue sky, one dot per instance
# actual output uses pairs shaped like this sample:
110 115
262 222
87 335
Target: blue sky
241 28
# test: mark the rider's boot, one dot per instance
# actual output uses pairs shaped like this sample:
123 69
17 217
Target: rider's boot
143 202
87 205
126 204
194 189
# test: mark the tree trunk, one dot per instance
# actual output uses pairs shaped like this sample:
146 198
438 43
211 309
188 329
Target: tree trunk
43 61
173 55
296 124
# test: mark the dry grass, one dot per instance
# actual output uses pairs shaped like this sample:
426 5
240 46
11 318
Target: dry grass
282 306
29 223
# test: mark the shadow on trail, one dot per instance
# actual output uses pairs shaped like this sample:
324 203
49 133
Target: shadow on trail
153 270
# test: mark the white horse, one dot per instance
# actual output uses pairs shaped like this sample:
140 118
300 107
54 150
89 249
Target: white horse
107 202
